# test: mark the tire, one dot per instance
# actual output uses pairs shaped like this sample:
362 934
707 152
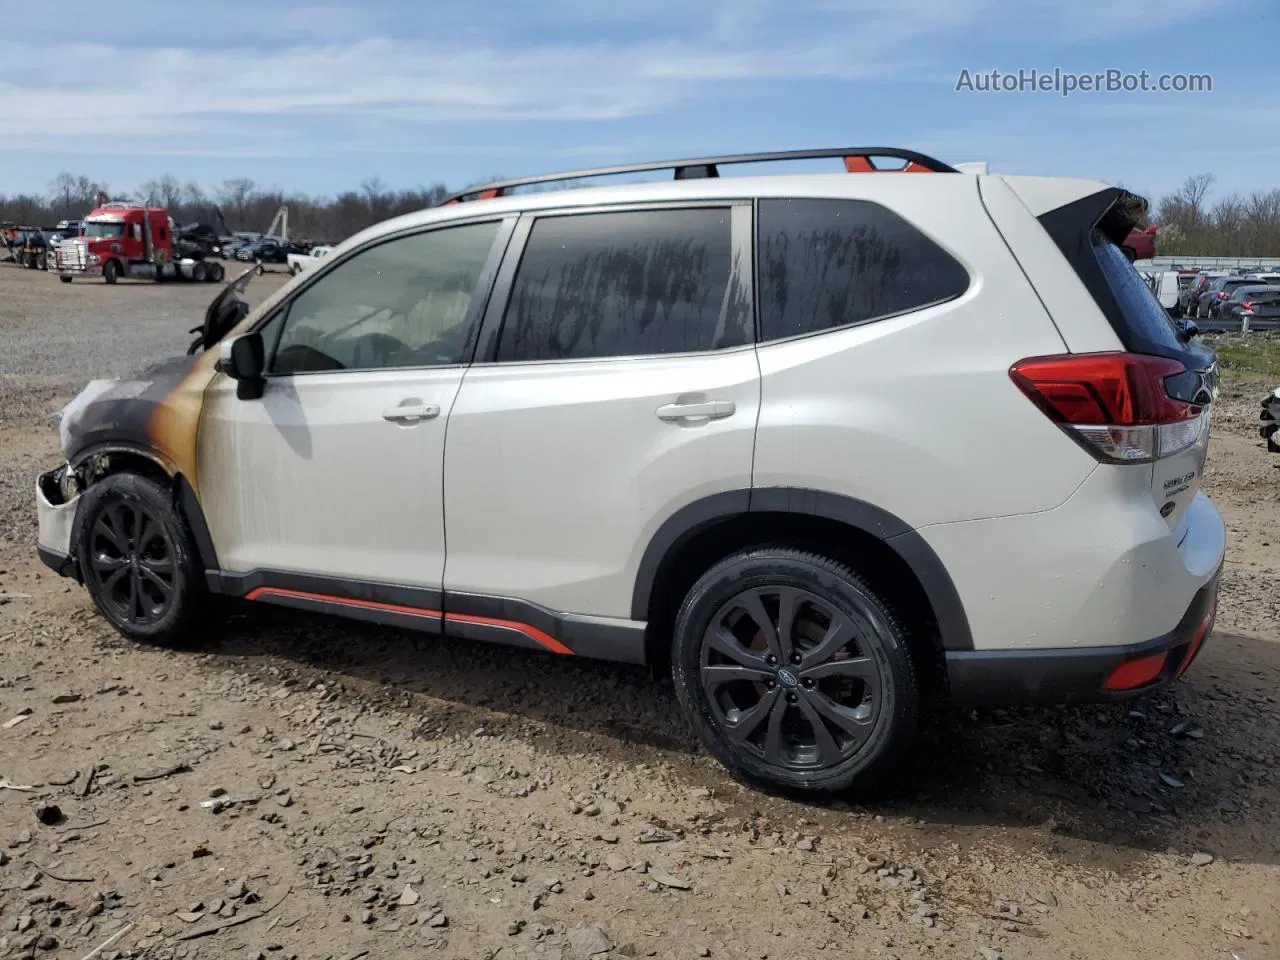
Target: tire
111 271
42 261
65 279
199 272
128 581
216 273
875 698
1130 254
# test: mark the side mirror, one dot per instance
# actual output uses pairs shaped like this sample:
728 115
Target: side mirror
244 359
1190 329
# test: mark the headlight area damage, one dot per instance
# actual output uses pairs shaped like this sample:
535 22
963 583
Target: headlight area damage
146 423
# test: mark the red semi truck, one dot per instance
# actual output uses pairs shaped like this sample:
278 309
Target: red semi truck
126 240
1141 244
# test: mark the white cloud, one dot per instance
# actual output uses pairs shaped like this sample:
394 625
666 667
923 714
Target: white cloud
368 90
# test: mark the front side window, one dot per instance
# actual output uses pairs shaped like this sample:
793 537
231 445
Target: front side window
403 303
630 283
830 263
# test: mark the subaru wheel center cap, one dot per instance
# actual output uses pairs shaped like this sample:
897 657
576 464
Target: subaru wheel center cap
788 678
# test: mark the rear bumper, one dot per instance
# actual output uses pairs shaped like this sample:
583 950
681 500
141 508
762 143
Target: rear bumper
1080 675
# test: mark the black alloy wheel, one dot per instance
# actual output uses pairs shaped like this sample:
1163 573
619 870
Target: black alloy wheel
795 671
785 677
136 557
132 563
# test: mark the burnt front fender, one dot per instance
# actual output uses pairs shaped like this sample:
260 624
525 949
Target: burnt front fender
155 413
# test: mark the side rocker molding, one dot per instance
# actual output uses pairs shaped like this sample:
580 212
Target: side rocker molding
684 524
475 617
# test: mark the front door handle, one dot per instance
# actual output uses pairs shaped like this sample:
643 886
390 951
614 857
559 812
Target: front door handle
411 411
697 410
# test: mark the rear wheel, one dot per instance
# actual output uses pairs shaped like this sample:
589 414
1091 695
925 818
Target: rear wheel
65 279
795 672
200 272
216 273
111 271
137 561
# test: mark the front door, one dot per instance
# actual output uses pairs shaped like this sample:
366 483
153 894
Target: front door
337 471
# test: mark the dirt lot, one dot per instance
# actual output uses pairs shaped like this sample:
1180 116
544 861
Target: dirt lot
383 794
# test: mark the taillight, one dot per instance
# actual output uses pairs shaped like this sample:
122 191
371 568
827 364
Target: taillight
1115 405
1223 295
1248 305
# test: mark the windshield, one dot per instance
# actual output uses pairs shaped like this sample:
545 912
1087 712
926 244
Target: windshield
104 229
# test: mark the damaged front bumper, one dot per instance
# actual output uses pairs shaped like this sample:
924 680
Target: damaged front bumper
57 502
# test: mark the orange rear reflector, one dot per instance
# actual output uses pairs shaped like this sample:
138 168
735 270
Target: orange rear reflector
1133 674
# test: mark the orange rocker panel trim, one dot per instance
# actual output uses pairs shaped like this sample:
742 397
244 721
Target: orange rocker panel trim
540 637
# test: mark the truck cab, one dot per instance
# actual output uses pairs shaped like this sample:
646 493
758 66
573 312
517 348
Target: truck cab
127 240
119 240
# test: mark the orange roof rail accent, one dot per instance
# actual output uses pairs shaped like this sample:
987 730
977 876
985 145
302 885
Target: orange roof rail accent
862 163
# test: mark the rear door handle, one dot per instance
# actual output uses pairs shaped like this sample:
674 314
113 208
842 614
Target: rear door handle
411 411
710 409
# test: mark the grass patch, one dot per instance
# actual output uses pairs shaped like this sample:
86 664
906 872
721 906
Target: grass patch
1257 353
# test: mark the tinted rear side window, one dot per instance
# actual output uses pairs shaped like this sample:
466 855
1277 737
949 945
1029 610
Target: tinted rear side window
1139 305
625 284
831 263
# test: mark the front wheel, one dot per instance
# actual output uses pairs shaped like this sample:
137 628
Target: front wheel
795 672
136 558
65 279
111 271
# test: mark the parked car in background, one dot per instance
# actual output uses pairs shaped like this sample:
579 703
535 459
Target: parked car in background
267 250
299 262
1190 295
1259 306
233 242
1164 284
1220 290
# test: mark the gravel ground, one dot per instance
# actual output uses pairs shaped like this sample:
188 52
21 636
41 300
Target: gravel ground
305 787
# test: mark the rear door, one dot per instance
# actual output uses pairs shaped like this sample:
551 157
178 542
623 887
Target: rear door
616 382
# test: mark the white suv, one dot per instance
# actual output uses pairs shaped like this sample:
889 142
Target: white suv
830 448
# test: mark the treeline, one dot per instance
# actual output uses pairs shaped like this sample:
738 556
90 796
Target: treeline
241 202
1231 226
1190 225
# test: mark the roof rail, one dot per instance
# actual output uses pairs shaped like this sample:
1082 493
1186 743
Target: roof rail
856 160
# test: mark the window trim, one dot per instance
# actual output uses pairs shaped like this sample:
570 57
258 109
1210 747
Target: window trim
481 293
879 318
741 252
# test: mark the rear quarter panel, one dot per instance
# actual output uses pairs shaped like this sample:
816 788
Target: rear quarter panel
916 414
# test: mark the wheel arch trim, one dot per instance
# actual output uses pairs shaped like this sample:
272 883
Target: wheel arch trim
695 518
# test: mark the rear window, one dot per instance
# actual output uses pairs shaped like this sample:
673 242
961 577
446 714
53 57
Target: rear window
832 263
1142 311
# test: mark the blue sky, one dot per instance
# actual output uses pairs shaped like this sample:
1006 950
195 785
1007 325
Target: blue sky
316 97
